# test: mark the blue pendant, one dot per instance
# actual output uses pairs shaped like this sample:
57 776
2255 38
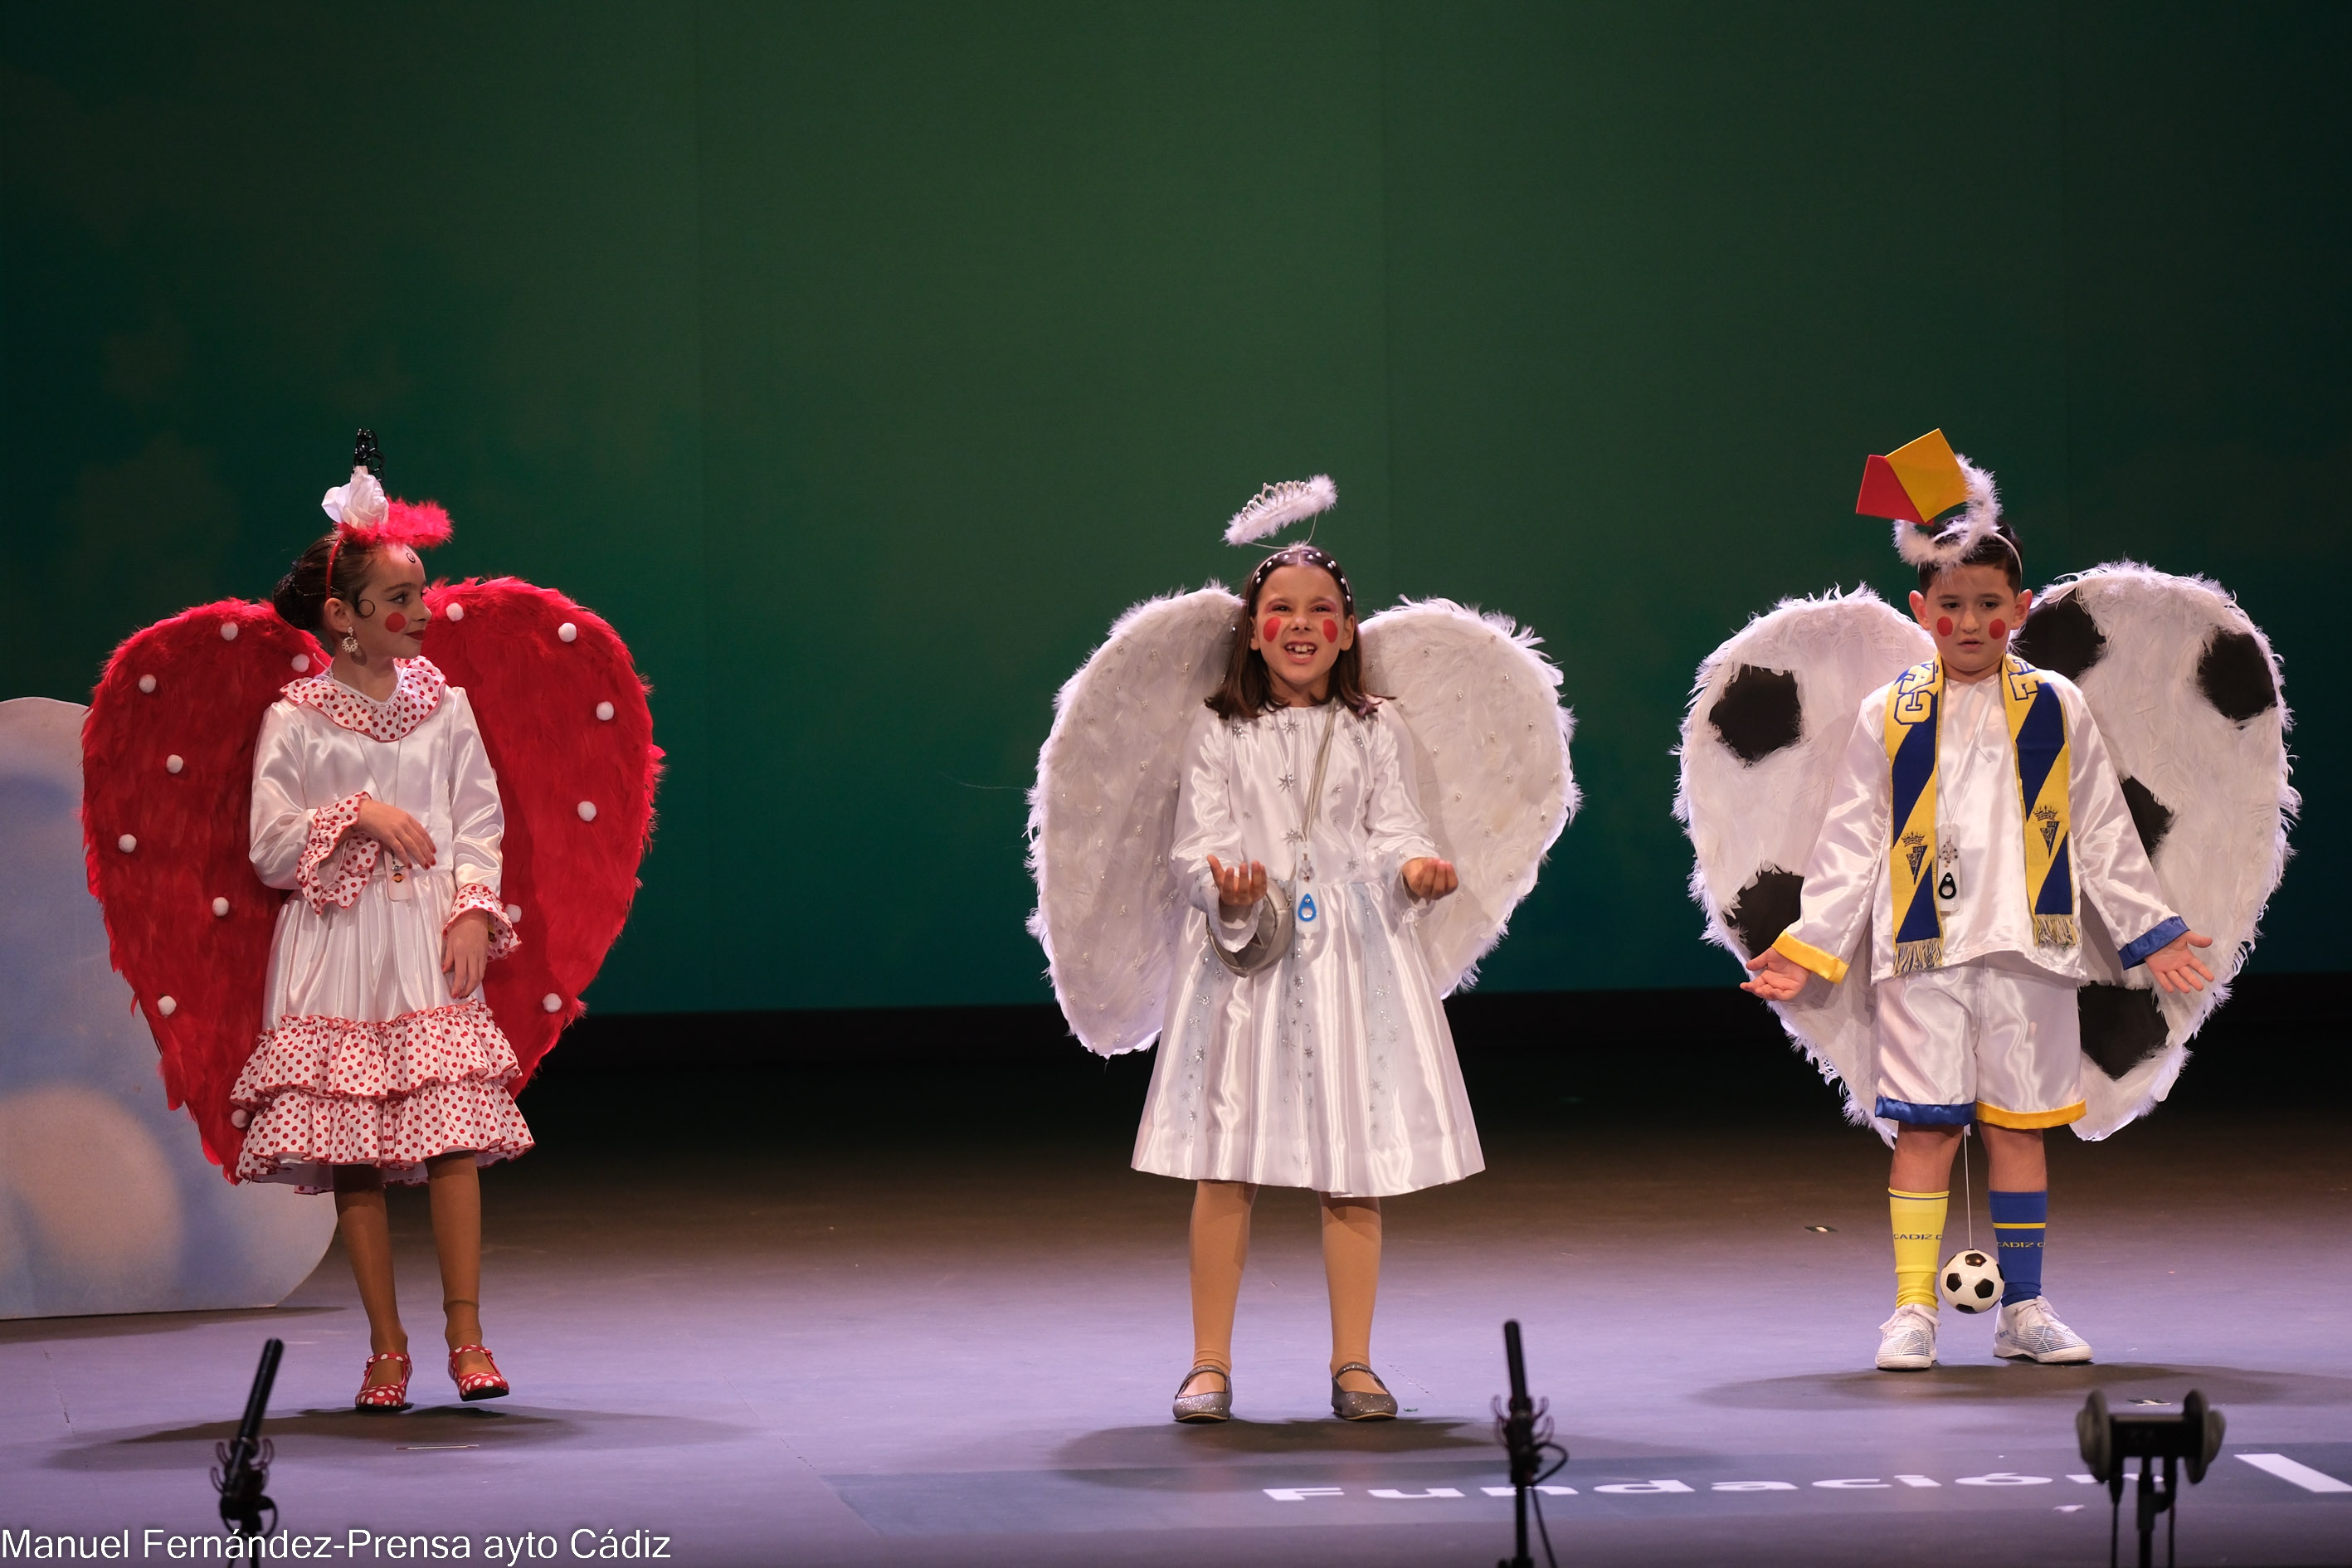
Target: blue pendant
1307 908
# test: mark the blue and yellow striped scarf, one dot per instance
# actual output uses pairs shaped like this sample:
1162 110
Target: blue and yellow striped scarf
2037 732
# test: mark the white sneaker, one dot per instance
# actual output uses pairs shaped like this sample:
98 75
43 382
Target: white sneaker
2030 1330
1908 1342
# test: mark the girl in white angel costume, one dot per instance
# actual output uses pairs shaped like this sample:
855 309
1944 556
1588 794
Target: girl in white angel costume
1280 924
374 804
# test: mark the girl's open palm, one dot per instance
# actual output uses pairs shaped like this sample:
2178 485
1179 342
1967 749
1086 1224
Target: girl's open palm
1239 888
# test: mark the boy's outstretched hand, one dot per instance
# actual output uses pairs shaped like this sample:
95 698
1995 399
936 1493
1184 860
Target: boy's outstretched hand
1777 977
2175 968
1426 876
1239 888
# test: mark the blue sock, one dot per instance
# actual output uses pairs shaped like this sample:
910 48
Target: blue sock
2019 1221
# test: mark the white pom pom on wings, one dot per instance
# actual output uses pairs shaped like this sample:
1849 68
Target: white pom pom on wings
1746 817
1103 814
2226 784
1488 761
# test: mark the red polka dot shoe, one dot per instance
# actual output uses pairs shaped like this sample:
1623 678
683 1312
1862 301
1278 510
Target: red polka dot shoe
473 1386
384 1397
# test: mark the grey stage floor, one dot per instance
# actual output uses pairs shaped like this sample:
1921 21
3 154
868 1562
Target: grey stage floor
936 1321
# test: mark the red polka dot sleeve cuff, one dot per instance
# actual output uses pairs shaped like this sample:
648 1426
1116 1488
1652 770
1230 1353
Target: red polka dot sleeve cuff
334 869
474 896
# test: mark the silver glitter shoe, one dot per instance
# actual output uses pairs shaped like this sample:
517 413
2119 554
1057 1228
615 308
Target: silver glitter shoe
1349 1406
1215 1406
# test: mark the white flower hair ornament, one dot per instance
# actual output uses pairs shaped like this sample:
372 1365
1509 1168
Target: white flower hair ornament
364 516
1919 485
1277 506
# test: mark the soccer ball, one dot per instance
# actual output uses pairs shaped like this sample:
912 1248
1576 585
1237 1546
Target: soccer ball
1970 1281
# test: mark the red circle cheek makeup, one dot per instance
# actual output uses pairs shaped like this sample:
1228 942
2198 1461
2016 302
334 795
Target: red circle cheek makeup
1330 631
1944 627
1272 629
1999 630
395 622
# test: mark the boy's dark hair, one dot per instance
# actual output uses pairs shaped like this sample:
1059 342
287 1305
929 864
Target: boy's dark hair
1998 548
1248 691
302 594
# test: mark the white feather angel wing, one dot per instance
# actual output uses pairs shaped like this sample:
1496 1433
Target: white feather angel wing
1103 814
2186 691
1769 718
1488 762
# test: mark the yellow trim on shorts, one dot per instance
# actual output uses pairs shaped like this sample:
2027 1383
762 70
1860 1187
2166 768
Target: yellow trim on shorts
1805 955
2027 1121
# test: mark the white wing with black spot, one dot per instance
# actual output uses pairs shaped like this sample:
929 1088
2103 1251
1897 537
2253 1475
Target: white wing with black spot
1103 812
1487 762
2187 694
1769 718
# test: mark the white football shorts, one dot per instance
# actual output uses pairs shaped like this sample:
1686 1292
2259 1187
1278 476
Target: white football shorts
1974 1043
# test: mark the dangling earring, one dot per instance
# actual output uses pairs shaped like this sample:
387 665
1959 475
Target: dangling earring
350 644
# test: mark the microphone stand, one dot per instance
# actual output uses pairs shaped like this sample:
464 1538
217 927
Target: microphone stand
1525 1428
243 1467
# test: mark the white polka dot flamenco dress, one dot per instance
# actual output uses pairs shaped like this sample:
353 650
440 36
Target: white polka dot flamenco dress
364 1058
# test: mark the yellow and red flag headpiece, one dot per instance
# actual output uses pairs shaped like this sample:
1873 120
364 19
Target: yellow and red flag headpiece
1920 482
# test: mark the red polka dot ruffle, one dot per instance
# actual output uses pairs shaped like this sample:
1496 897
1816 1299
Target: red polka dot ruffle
411 703
337 1091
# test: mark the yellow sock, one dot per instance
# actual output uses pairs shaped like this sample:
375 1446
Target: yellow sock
1918 1219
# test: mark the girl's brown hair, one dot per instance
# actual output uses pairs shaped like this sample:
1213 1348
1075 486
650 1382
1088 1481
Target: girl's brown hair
302 594
1248 691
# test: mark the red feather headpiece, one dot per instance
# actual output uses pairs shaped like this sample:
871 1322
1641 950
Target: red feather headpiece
364 516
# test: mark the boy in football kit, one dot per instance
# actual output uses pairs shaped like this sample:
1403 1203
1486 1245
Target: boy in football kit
1975 804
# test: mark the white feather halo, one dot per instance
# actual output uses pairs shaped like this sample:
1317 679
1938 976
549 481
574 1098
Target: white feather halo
1963 533
1277 506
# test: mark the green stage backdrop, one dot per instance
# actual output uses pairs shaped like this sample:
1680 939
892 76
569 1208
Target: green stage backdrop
862 363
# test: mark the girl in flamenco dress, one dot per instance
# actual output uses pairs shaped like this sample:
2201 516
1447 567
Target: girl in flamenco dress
375 806
312 887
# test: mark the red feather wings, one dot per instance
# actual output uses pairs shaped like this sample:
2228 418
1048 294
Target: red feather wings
167 766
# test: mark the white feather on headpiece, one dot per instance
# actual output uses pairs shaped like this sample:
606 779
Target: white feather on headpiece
1276 506
1957 536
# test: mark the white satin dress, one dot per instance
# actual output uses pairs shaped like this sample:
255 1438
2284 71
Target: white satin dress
1334 1069
364 1057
